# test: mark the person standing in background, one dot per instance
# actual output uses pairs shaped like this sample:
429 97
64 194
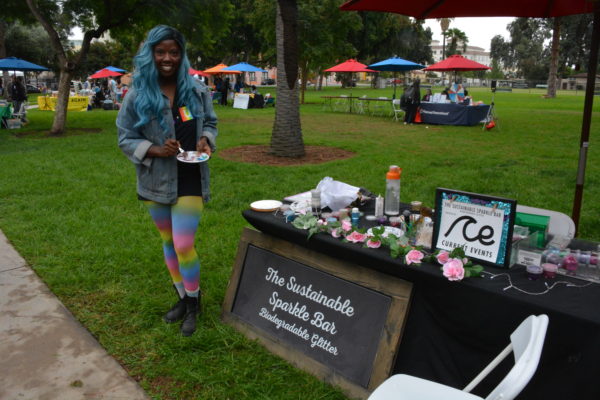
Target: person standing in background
18 95
413 101
112 87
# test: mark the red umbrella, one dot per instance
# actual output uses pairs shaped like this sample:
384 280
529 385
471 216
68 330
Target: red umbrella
105 73
510 8
350 65
193 71
457 62
473 8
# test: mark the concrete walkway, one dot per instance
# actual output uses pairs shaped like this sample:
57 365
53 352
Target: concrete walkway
45 353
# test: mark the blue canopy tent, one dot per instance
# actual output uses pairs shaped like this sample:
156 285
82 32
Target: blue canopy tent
17 64
243 67
395 64
113 69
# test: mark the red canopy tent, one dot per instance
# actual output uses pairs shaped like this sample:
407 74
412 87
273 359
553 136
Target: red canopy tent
457 62
510 8
193 71
105 73
350 65
473 8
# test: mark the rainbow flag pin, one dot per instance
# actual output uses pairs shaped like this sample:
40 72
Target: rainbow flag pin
185 114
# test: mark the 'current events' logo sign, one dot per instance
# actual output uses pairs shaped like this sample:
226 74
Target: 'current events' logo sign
476 228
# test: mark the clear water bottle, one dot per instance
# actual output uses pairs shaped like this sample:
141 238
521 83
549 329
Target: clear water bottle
392 191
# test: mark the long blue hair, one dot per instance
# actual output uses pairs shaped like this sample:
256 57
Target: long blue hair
149 100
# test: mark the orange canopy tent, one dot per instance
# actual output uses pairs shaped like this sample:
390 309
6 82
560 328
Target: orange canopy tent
217 70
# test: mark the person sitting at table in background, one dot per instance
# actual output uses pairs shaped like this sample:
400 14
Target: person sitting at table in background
446 91
253 89
413 99
428 96
174 192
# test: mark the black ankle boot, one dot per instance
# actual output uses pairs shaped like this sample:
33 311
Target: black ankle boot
193 309
177 312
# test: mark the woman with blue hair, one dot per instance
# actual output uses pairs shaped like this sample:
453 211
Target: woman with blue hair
166 112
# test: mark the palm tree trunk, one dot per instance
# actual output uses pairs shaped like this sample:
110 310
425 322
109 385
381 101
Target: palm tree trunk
286 138
552 75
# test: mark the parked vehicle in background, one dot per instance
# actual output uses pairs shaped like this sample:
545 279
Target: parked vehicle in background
33 89
268 82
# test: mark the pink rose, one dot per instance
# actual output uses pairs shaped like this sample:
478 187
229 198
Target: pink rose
413 257
356 237
321 222
374 244
454 270
346 225
336 233
442 257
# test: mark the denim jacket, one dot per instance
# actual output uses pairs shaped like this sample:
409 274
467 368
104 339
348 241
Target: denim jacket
157 176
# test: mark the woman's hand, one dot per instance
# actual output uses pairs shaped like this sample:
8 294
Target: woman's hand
202 146
169 149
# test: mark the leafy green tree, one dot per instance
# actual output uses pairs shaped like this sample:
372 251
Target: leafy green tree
575 42
527 44
94 18
502 53
322 35
30 43
13 12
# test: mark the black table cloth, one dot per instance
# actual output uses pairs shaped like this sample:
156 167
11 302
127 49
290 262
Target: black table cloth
454 329
452 114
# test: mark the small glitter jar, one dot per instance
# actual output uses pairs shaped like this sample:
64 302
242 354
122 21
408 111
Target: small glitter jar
549 270
570 263
534 272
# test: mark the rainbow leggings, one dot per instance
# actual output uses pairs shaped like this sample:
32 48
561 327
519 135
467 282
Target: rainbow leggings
177 225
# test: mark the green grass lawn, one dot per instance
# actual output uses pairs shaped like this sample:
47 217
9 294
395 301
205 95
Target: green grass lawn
68 205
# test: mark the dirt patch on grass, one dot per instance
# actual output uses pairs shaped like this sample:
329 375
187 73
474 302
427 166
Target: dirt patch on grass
259 154
44 133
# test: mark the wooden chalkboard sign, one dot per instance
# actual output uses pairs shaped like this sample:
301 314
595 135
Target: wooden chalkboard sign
336 320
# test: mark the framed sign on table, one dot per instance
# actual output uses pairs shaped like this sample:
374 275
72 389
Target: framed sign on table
482 225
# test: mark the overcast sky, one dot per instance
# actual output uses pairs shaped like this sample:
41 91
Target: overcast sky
480 31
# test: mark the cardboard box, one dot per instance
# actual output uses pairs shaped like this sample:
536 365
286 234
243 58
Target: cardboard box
14 123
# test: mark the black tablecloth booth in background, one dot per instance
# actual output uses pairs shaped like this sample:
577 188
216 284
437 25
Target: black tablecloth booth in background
454 329
452 114
256 101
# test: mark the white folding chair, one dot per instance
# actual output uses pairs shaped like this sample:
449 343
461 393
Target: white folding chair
526 344
22 112
398 112
341 104
560 224
381 107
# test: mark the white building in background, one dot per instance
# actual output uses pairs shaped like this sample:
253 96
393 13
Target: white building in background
474 53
